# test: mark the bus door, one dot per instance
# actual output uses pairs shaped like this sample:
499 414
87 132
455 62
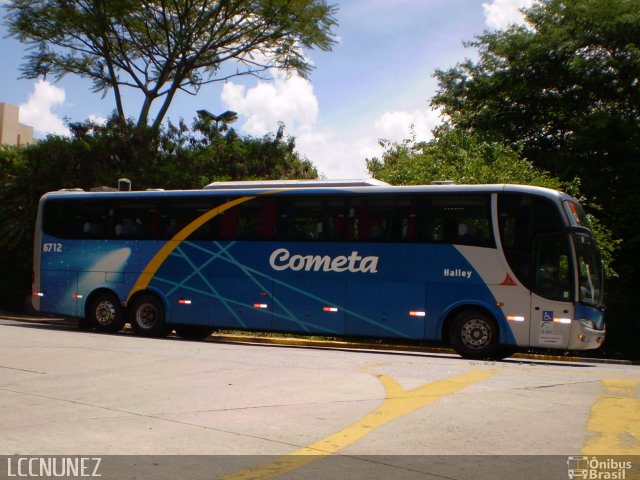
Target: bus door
551 298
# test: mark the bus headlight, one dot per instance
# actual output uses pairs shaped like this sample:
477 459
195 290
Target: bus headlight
587 323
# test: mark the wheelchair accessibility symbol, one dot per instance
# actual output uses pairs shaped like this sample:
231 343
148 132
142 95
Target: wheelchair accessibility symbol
547 316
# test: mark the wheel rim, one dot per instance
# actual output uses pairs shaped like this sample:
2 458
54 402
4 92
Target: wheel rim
476 334
146 315
105 313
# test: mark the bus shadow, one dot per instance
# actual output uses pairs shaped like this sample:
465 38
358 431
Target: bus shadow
274 342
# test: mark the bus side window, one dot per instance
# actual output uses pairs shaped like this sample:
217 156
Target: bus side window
383 219
411 220
460 219
73 218
228 226
301 219
134 220
268 219
335 219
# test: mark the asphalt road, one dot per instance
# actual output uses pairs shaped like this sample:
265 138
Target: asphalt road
270 411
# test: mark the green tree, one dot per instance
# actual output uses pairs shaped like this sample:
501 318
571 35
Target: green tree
214 153
456 156
565 91
161 48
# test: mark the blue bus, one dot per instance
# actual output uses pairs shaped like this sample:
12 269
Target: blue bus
486 269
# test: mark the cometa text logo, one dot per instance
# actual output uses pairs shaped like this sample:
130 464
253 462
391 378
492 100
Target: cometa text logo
281 259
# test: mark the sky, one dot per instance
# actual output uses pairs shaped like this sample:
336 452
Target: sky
376 83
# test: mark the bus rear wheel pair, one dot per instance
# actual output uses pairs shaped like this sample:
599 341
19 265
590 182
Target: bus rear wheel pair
145 314
106 314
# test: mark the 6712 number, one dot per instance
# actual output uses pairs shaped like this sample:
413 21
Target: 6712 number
52 247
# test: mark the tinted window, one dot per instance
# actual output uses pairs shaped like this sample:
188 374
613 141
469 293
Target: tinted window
552 267
375 218
461 219
383 219
175 214
590 276
76 219
522 219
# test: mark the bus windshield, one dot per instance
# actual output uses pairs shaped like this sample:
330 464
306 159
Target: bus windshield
590 275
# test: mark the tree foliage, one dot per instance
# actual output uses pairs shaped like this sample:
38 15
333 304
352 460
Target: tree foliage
456 156
162 47
565 88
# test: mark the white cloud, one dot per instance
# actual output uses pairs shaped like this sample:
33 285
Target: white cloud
336 155
500 14
97 119
289 99
342 154
397 125
37 111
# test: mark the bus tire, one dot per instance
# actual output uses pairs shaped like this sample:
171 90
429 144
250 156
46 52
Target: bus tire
474 334
146 316
193 332
105 312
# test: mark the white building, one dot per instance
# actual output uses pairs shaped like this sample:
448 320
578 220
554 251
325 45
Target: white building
12 132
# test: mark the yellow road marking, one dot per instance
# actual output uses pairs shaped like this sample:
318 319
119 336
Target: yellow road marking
614 424
397 403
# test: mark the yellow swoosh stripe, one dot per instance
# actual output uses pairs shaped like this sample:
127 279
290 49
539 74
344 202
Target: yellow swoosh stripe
159 258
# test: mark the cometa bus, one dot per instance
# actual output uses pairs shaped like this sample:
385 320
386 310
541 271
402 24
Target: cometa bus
486 269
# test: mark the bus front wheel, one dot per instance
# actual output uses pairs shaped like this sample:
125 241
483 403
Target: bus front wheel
474 334
105 312
146 315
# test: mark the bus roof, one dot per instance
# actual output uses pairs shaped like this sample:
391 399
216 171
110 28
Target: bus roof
324 187
251 184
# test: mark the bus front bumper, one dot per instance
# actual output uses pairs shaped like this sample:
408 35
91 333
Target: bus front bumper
584 335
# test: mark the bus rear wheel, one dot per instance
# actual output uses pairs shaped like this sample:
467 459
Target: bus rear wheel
474 334
146 315
105 312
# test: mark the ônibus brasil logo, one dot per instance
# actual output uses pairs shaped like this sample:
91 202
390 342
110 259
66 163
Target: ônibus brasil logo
597 468
281 259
